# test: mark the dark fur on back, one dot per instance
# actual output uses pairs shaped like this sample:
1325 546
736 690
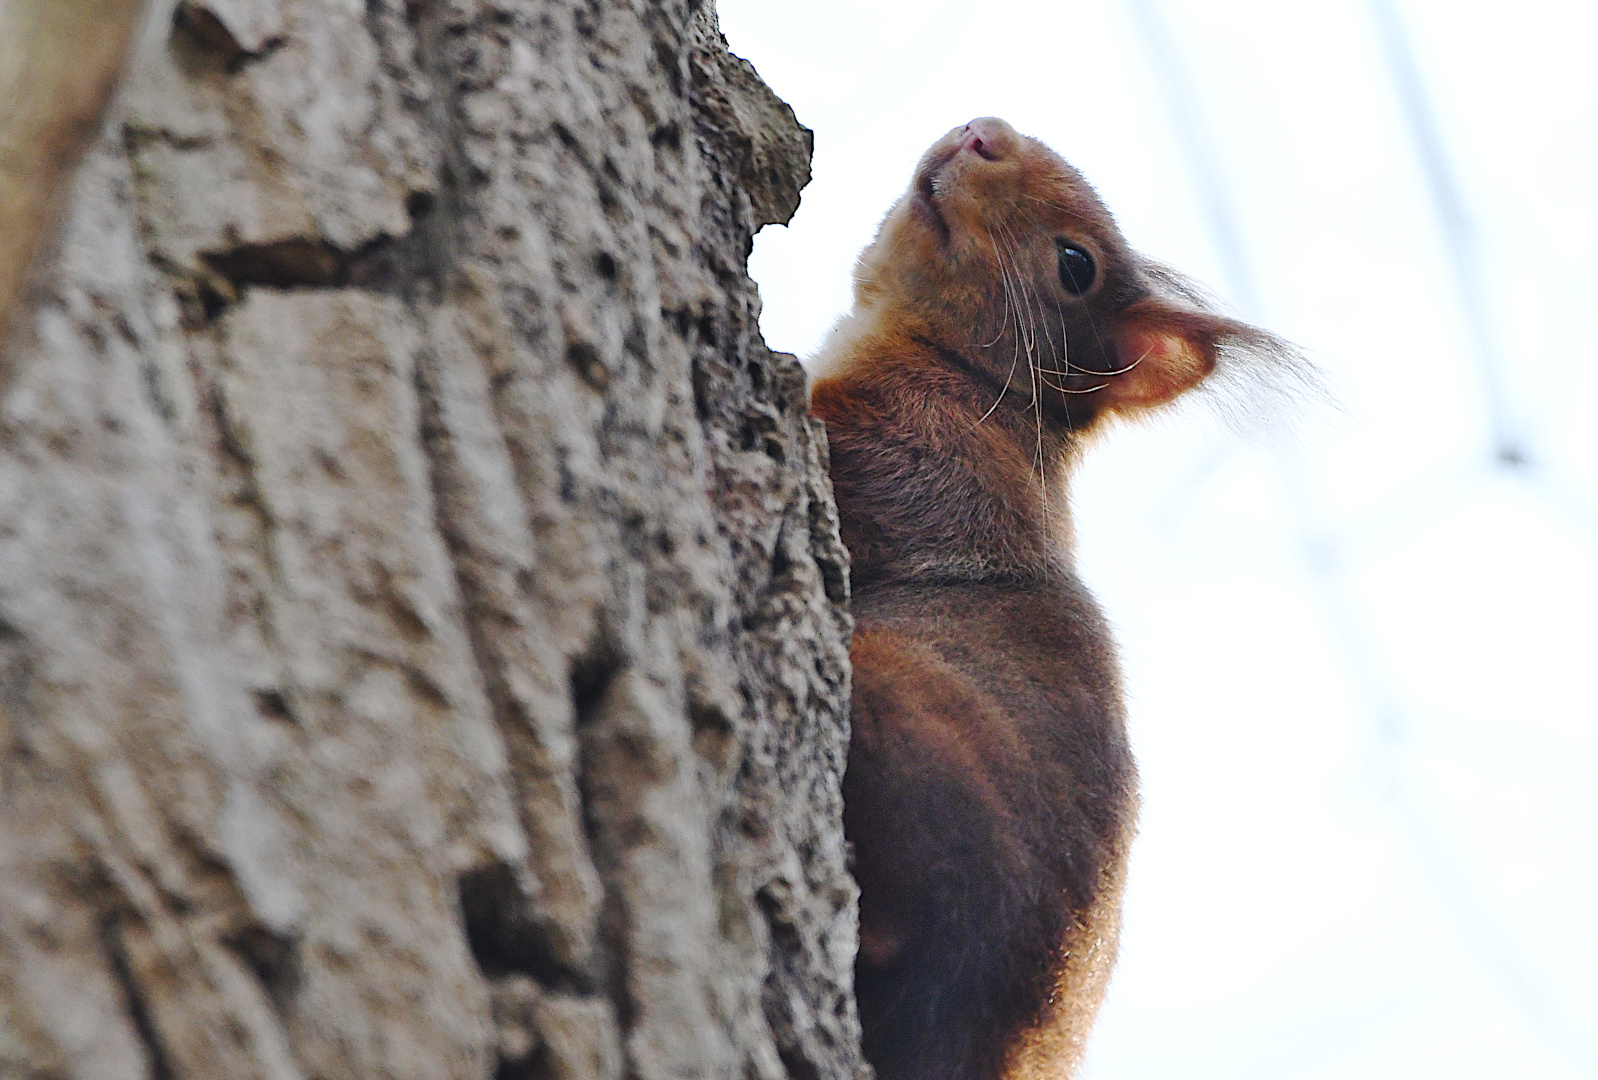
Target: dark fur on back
989 788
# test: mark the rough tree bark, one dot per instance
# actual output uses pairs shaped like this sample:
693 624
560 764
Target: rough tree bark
422 642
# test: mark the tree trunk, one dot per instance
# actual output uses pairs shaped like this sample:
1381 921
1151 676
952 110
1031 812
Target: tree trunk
422 635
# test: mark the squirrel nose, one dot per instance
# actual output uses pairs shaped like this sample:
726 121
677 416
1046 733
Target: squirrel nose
979 139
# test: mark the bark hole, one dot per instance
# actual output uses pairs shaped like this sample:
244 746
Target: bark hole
283 263
273 958
591 675
274 706
503 936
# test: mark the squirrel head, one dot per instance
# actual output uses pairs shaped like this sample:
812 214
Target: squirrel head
1002 253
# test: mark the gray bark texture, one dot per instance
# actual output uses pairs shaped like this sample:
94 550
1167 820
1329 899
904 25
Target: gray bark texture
423 648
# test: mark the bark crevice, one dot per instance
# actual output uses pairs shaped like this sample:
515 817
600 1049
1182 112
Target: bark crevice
138 1006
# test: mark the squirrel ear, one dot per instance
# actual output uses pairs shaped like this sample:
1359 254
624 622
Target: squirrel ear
1162 353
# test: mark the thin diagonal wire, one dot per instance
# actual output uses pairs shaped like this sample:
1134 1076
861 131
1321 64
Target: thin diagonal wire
1465 257
1177 86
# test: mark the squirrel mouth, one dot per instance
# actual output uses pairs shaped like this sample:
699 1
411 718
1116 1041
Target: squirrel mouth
924 203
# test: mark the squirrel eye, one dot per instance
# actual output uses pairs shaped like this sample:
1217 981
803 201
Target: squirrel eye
1076 268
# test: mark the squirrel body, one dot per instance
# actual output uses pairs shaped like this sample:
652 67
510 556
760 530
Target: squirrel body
990 794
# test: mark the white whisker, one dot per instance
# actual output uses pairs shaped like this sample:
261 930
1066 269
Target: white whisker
1015 357
1118 371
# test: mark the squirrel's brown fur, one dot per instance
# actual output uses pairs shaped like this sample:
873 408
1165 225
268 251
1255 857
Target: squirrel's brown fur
990 794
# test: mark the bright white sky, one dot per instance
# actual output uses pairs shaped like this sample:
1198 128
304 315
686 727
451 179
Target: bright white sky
1361 665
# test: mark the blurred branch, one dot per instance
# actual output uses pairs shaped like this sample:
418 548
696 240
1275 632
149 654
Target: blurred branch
59 60
1180 91
1464 250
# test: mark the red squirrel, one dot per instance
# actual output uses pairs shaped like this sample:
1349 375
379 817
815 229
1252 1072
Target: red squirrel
990 794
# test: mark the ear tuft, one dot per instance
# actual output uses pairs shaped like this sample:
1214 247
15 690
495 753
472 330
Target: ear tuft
1163 352
1172 339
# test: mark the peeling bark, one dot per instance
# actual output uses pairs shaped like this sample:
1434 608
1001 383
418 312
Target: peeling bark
423 648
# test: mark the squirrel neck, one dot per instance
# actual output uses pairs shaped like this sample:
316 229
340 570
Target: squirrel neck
941 472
